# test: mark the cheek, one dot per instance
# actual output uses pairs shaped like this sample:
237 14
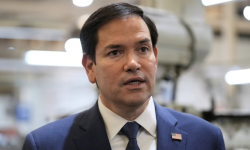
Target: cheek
106 75
152 66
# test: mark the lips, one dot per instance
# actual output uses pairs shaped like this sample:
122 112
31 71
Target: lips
134 81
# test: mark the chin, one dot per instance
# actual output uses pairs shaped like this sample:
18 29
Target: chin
134 100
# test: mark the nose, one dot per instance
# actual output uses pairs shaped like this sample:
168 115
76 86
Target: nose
132 64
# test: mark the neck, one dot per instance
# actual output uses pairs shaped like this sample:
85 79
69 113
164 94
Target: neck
128 112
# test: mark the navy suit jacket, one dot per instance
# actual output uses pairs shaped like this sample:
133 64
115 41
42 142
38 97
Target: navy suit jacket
86 131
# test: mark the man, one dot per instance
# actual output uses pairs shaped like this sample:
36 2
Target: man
120 56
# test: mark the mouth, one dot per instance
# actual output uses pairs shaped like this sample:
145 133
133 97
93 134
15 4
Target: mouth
134 81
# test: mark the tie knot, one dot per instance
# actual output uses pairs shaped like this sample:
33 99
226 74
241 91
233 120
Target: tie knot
130 129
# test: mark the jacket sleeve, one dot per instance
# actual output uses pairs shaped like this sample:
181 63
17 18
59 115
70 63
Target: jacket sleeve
29 143
220 140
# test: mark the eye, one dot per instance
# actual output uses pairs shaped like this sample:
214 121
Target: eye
143 49
114 53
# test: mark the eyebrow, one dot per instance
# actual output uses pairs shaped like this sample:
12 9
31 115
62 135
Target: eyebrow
114 46
146 40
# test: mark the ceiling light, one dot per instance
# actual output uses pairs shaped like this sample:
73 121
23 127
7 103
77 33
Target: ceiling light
27 33
11 48
213 2
82 3
246 13
238 77
73 45
52 58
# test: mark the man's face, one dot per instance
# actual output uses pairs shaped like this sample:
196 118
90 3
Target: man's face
126 63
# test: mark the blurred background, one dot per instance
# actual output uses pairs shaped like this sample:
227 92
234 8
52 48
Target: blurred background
203 63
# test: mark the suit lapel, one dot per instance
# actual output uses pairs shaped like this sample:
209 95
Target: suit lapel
166 124
94 136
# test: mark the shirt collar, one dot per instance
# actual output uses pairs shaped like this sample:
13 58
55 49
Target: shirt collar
148 118
114 122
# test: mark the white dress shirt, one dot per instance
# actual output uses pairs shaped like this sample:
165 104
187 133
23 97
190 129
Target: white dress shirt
146 137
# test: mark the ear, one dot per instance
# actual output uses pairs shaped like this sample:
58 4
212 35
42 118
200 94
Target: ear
155 52
89 66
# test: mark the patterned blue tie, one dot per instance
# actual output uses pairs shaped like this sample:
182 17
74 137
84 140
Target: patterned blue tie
130 129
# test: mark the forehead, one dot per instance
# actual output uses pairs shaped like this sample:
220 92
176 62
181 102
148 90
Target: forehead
123 29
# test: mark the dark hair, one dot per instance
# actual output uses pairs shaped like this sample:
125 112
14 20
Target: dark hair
106 14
